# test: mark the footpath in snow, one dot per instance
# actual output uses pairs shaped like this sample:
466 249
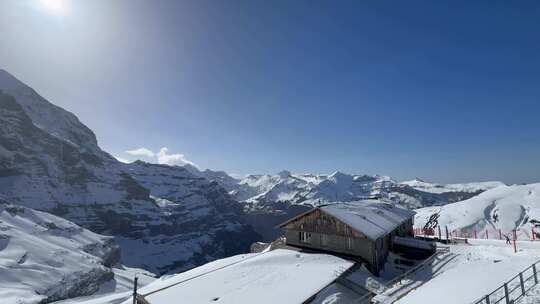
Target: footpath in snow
475 270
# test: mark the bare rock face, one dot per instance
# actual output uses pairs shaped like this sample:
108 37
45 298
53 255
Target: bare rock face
164 218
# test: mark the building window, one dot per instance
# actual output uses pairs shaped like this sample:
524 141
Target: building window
305 237
324 240
350 243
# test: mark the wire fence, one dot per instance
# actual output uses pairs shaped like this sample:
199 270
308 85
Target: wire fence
514 289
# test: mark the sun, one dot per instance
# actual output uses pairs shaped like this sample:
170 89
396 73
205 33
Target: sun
55 6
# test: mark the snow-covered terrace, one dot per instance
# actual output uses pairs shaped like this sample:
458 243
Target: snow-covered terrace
469 272
279 276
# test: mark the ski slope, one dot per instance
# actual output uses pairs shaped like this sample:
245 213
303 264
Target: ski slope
505 208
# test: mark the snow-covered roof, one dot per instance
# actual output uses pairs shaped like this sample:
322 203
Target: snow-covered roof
279 276
372 218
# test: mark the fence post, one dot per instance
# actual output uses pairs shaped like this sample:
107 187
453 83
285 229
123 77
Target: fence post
506 294
446 228
521 283
475 234
534 273
500 234
515 248
487 299
439 232
533 236
135 290
487 235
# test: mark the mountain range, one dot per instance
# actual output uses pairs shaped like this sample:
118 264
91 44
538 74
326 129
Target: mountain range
271 199
156 217
51 162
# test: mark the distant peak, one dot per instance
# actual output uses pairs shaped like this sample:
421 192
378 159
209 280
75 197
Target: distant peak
10 84
7 74
284 174
338 174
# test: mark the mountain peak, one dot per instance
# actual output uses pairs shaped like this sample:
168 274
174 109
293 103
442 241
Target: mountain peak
47 116
284 173
338 174
8 82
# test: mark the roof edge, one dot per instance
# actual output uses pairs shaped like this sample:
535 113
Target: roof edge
296 217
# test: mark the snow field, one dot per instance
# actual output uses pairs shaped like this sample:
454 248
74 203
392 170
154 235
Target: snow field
476 270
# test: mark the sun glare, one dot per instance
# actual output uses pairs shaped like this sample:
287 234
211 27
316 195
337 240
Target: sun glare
55 6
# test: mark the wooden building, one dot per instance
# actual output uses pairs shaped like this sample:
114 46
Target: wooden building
363 229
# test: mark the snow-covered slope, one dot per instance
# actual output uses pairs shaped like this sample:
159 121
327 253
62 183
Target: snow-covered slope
505 207
198 221
470 273
421 185
46 258
49 161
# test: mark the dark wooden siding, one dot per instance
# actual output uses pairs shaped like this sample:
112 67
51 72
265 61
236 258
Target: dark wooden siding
320 224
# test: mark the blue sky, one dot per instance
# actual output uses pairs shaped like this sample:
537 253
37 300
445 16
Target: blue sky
446 91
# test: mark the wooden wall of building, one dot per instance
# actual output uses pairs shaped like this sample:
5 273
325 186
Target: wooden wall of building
338 237
338 234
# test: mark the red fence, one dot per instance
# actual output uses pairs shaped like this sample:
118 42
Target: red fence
493 234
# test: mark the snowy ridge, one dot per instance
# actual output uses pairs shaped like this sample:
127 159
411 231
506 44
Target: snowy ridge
505 207
442 188
45 115
315 189
46 258
272 199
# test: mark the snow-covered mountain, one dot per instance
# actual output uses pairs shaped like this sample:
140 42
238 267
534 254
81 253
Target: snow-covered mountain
271 199
44 258
421 185
164 218
505 208
315 189
52 119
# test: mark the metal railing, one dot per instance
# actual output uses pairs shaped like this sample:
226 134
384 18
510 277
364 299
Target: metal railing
440 251
514 289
